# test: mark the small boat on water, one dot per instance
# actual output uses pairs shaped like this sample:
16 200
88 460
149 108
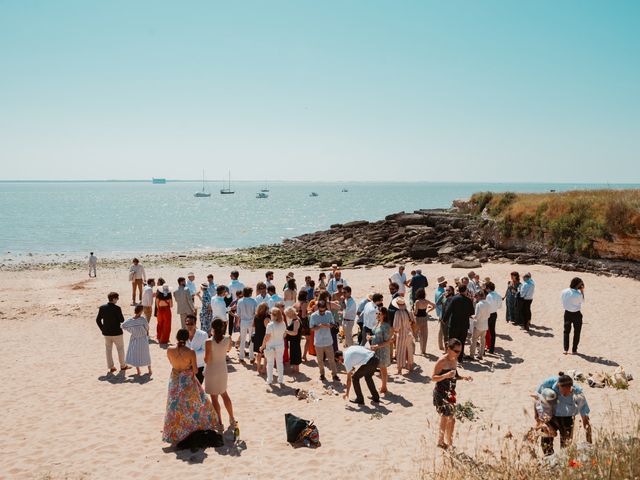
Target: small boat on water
203 193
266 188
344 190
313 194
227 190
158 181
262 194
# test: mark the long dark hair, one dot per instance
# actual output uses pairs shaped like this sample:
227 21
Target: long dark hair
576 283
218 327
384 312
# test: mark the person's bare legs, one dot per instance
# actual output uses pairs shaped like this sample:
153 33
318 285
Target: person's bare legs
150 372
450 425
216 408
442 430
138 371
229 407
383 375
306 348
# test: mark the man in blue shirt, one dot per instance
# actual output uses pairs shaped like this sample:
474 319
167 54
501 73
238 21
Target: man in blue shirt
321 323
525 294
212 286
569 403
235 285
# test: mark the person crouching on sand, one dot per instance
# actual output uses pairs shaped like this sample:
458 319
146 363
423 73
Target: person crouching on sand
360 362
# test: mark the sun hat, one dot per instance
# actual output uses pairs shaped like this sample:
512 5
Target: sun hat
442 280
398 302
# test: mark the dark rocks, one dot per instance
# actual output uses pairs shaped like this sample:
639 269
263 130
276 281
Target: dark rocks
420 251
467 264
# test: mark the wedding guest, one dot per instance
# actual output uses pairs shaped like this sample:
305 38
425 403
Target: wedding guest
206 312
457 316
137 277
421 307
148 299
215 372
189 408
370 316
293 336
445 375
93 264
138 354
572 300
360 362
235 285
109 320
472 285
393 292
495 301
480 324
245 314
273 297
302 310
164 304
443 334
418 281
184 301
268 278
218 304
211 285
349 310
403 323
193 289
525 294
273 345
321 322
400 278
322 281
261 293
337 280
259 330
381 339
511 298
290 293
196 341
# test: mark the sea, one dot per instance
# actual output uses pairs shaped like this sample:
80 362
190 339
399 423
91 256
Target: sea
120 218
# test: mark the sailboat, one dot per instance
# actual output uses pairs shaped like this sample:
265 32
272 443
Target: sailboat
203 193
265 189
262 194
227 191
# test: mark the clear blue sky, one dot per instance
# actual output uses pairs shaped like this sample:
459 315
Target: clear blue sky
472 90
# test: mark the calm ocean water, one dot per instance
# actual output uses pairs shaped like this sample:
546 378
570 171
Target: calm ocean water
118 218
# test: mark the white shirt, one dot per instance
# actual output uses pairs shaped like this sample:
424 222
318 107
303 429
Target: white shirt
369 314
400 280
276 330
262 299
473 287
197 345
495 301
356 356
192 287
138 272
147 296
483 310
234 286
350 309
93 260
218 308
572 299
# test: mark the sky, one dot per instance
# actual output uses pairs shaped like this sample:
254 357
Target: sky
470 91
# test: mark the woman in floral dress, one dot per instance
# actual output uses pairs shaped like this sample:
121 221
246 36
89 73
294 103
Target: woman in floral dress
189 408
206 314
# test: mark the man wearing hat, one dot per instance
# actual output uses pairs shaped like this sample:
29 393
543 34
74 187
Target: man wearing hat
193 289
439 299
570 401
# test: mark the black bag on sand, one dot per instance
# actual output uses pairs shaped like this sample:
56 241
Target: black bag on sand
295 426
201 439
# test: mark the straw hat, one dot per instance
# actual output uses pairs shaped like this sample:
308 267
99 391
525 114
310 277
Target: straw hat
442 280
398 302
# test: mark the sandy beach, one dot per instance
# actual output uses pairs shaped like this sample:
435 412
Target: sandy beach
64 417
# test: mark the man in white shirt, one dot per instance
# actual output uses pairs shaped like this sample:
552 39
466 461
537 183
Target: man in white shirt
525 296
349 309
219 305
273 296
400 278
472 286
196 342
360 362
235 285
572 300
137 276
369 316
495 301
332 286
480 324
93 263
147 299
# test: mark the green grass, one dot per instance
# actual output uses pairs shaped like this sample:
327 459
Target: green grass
570 221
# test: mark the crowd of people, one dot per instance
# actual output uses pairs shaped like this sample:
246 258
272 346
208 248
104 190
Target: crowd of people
322 319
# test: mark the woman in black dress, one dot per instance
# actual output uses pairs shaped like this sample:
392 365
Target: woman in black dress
294 335
259 330
301 308
445 374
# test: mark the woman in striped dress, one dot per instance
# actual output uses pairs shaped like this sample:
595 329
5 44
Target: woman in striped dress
403 324
138 352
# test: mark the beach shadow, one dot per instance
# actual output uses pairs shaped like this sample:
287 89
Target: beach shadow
231 368
504 337
535 333
120 377
281 390
477 366
598 360
368 410
299 377
416 375
233 449
164 346
540 327
397 399
187 456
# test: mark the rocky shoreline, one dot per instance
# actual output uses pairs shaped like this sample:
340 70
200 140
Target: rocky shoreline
425 236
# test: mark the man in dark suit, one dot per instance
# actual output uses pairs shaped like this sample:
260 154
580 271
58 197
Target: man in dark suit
394 290
109 321
457 315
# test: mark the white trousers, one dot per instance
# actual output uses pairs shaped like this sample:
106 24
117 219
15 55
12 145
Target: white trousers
245 329
276 353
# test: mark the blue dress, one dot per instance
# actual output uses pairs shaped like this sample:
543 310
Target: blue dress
206 314
381 334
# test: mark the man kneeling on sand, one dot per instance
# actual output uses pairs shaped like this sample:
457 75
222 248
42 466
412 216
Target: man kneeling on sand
359 362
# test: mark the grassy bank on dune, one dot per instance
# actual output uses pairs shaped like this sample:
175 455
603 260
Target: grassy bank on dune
570 221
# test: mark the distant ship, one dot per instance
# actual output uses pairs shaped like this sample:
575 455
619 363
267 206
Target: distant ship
313 194
265 189
227 191
203 193
262 194
344 190
158 181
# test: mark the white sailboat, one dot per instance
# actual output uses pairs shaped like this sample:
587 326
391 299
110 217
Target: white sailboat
227 190
203 193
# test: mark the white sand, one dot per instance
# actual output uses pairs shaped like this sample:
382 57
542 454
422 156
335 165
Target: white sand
63 417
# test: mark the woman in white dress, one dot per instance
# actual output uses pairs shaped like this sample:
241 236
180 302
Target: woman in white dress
273 345
138 352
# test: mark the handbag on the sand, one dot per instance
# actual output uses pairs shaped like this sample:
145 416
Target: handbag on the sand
301 432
